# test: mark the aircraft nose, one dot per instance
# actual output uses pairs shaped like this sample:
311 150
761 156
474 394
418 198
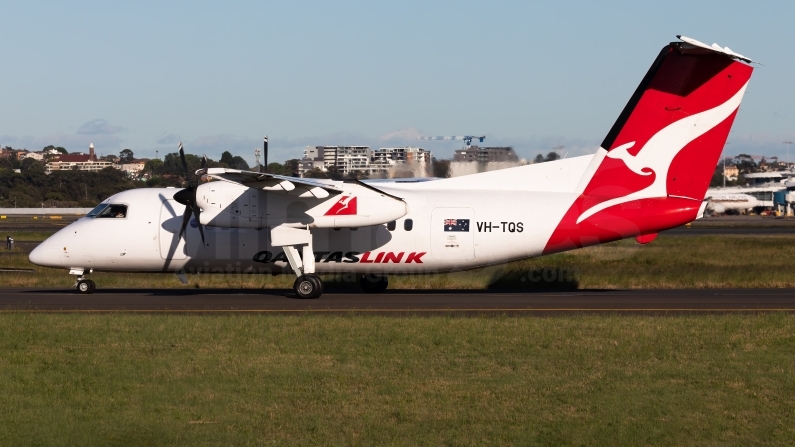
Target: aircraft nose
45 255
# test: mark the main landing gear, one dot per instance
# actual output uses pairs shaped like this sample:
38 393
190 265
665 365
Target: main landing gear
307 283
83 285
308 286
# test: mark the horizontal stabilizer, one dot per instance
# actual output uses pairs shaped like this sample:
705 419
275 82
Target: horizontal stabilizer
714 47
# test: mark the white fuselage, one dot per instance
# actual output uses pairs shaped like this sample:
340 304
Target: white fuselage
510 214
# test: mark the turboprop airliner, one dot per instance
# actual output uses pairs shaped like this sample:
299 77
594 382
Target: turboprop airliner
650 174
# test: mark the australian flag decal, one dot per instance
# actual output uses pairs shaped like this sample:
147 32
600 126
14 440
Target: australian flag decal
456 225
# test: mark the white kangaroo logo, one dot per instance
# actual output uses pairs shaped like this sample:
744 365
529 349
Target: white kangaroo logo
658 153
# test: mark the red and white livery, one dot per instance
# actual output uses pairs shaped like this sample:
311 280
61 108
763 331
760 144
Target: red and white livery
650 174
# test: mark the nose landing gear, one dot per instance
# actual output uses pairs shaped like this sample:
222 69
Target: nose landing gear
83 285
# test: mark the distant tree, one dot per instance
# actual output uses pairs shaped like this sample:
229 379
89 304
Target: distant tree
126 156
717 177
333 173
276 168
746 164
539 159
153 166
48 148
291 166
233 161
552 156
358 175
315 173
441 168
32 165
239 163
62 150
226 158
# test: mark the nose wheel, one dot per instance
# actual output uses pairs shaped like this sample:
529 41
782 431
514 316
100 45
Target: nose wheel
308 286
85 286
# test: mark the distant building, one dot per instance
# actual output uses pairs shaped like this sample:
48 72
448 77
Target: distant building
78 162
393 155
133 168
731 172
313 159
38 156
16 154
346 159
761 178
485 154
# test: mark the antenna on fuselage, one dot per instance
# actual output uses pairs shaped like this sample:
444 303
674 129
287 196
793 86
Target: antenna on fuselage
265 153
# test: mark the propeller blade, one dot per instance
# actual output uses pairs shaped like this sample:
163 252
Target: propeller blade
184 163
196 211
185 220
185 196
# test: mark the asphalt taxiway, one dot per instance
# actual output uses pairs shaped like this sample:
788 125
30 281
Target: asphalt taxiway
722 231
402 301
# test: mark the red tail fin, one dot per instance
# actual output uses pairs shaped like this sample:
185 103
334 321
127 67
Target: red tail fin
655 164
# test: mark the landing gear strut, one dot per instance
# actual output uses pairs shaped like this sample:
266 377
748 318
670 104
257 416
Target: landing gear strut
373 283
307 283
83 285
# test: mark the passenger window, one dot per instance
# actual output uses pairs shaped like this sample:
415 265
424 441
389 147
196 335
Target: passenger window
391 225
114 212
408 224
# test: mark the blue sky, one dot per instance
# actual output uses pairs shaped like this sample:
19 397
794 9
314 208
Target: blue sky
218 76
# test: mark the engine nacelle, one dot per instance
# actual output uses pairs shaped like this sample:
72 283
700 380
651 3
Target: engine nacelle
231 205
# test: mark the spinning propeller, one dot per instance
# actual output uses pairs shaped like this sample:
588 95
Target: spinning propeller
187 196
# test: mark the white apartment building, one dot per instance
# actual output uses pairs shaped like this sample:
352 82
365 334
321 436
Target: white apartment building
346 159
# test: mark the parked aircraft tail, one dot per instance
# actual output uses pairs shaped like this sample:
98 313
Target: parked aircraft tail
654 166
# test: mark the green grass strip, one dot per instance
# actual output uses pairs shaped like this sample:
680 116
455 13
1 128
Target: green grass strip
123 379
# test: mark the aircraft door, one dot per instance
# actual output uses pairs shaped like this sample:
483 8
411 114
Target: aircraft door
452 235
171 245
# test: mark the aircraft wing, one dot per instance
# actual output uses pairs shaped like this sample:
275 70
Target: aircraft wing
302 187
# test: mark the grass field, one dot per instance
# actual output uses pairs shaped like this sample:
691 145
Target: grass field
28 235
668 262
120 379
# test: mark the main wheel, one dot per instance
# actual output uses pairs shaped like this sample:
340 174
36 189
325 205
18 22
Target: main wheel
308 286
86 286
374 283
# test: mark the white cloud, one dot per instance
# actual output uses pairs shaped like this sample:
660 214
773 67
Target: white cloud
98 127
409 133
168 139
103 144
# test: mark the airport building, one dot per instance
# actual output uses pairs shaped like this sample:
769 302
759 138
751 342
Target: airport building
485 154
763 178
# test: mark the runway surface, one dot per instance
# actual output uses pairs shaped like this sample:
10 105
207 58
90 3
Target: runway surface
717 231
403 302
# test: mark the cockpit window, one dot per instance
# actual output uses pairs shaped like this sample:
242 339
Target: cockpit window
98 209
114 211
